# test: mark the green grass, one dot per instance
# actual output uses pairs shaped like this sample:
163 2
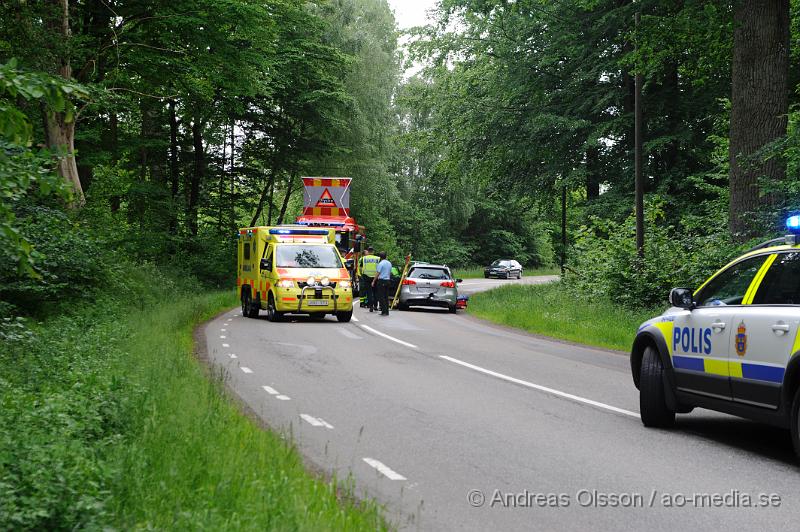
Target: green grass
107 420
551 311
476 272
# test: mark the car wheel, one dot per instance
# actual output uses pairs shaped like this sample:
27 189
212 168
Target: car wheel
344 317
245 303
795 422
519 275
402 306
486 275
255 307
652 395
272 313
453 309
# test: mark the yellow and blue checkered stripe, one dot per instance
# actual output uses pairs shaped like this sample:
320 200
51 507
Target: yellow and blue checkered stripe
722 366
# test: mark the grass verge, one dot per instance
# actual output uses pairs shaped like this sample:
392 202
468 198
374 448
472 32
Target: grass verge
551 311
107 420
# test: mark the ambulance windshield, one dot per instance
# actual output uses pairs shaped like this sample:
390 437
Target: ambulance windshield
299 256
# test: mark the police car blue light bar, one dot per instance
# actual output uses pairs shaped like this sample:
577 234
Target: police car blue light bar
793 223
298 231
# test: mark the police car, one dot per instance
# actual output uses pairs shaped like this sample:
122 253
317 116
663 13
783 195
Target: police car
732 345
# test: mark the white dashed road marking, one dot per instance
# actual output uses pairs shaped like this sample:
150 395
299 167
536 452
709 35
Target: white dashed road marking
392 338
225 345
270 390
246 370
282 397
315 421
545 389
386 471
348 334
223 337
354 319
231 355
223 330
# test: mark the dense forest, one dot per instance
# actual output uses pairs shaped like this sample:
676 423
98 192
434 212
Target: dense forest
157 128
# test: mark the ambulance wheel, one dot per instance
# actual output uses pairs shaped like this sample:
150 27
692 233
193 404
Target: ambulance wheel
272 313
255 307
344 317
795 422
652 395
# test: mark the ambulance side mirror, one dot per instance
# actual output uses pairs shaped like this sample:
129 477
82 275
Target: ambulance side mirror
349 263
682 298
266 264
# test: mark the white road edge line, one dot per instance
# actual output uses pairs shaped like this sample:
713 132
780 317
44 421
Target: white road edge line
246 370
354 319
545 389
386 471
270 390
392 338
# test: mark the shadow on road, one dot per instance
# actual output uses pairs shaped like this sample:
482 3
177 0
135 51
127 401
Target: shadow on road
764 440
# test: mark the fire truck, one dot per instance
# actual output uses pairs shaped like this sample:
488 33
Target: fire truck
326 204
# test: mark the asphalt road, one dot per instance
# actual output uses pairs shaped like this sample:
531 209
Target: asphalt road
452 423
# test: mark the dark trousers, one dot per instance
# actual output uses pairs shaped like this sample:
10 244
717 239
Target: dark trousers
369 293
383 294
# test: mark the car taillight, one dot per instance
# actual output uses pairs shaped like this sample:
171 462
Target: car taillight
448 284
409 281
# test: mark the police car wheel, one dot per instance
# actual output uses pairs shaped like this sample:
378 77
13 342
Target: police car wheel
344 316
652 396
795 422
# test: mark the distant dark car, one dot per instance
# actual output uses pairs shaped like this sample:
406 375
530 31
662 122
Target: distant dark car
505 269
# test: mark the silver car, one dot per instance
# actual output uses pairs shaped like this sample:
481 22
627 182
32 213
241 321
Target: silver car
429 285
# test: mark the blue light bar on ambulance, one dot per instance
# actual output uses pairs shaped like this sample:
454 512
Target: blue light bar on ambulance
793 223
298 231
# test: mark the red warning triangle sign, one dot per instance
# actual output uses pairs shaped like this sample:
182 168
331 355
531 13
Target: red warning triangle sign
326 200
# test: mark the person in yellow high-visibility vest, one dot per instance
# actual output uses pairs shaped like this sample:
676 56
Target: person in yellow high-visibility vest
368 266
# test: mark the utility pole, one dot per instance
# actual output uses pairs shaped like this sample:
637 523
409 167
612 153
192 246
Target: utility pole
637 149
563 228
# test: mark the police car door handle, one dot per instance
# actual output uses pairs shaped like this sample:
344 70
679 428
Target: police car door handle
718 325
780 328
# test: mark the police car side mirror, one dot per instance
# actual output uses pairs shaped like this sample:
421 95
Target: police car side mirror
266 264
682 298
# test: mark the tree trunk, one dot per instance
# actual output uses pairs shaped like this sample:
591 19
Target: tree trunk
197 176
592 173
60 127
173 165
285 204
260 206
759 107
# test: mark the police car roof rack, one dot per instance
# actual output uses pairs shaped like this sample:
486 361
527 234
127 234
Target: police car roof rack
789 240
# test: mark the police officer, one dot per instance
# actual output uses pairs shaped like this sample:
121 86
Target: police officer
368 266
382 281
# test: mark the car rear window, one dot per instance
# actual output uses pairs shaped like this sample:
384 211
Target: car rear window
429 273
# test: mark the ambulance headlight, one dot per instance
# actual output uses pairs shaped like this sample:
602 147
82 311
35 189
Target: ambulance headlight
793 223
345 284
285 283
311 281
325 281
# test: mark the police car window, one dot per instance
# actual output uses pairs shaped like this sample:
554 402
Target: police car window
429 273
781 284
730 286
290 256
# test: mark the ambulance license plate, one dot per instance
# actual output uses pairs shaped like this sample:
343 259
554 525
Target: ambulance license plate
317 302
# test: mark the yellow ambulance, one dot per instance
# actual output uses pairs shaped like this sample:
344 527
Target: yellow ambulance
292 269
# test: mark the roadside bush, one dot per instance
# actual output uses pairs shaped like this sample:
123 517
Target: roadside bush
70 263
604 263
